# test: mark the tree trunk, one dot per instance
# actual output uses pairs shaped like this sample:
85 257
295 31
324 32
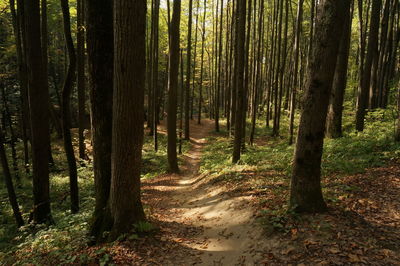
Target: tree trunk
173 87
9 184
156 104
100 47
66 109
39 114
203 39
296 69
128 114
335 109
188 69
366 78
239 75
22 75
306 194
80 48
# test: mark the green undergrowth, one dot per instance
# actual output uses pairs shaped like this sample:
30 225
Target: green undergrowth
351 154
64 241
266 165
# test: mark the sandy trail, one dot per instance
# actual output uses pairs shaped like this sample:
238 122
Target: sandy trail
229 234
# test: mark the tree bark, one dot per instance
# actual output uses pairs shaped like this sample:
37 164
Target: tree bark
39 113
100 47
296 69
9 184
239 73
188 73
128 114
80 60
173 87
66 109
306 194
203 39
335 109
366 78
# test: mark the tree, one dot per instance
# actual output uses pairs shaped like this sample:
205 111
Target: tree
188 66
239 75
203 40
397 135
296 69
100 47
39 114
66 109
306 194
9 184
173 87
128 114
362 98
80 64
334 119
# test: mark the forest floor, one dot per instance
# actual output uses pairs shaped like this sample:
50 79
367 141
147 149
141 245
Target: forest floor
218 213
206 220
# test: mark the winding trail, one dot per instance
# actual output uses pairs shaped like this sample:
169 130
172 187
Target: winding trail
223 230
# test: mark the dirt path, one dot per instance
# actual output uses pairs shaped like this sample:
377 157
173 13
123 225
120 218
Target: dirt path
223 231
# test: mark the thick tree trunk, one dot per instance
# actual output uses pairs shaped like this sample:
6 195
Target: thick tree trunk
173 87
39 114
128 114
100 47
306 194
335 110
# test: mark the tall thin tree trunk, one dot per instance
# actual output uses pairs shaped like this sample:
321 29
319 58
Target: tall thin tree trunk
173 87
296 69
366 78
335 110
188 71
39 113
9 184
80 48
66 109
239 75
203 40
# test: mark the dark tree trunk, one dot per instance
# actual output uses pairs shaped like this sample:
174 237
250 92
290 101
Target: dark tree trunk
296 69
173 87
66 109
9 184
22 75
39 114
80 60
335 110
128 114
306 194
156 104
100 47
239 75
366 77
188 69
203 39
